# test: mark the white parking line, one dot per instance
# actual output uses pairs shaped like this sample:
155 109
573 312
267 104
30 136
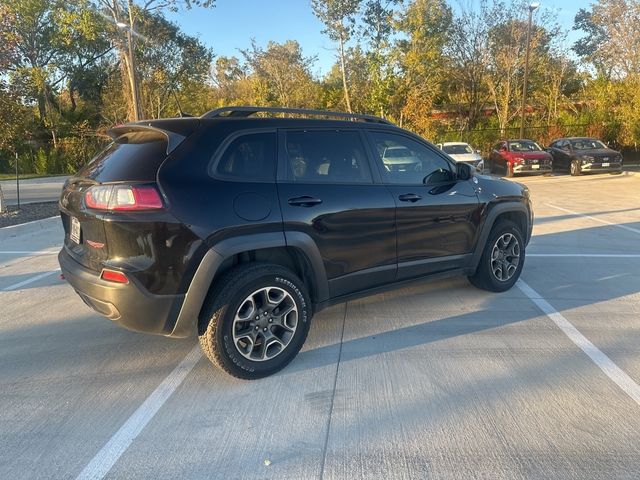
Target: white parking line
28 223
18 285
106 458
585 255
611 370
27 252
624 227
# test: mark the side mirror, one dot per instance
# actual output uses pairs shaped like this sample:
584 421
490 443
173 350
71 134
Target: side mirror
439 176
463 171
478 151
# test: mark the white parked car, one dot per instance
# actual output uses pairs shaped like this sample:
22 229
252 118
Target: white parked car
462 152
400 159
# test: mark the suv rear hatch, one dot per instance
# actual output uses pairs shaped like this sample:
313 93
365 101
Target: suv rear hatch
134 156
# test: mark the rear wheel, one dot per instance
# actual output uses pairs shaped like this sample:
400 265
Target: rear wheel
575 168
502 258
255 322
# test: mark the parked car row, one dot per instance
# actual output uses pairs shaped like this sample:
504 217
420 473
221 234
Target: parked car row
575 155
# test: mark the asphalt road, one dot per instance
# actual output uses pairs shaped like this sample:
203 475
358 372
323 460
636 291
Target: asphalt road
437 380
33 190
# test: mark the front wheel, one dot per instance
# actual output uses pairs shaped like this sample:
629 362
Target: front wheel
502 258
575 168
255 321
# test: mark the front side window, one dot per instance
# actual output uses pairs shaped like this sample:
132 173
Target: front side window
327 156
250 157
406 161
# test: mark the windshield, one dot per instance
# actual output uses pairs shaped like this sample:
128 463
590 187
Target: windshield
398 152
524 146
457 149
587 144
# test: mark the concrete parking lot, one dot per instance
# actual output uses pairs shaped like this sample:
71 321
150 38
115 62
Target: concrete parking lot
436 380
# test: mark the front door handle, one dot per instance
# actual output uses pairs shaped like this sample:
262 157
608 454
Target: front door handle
410 197
304 201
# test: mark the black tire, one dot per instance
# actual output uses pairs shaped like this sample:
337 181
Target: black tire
231 292
485 278
575 168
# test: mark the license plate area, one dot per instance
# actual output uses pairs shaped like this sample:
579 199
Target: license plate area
535 167
605 164
74 232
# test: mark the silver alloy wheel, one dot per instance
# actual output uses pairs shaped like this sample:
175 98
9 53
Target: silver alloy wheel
505 257
574 168
265 323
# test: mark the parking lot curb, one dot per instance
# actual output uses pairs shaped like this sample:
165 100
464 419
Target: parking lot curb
29 227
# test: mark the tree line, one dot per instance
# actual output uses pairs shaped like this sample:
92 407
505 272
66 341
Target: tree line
448 71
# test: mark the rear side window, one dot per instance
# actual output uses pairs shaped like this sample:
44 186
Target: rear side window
327 157
131 157
250 157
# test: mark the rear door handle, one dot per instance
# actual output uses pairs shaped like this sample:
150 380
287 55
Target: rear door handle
304 201
410 197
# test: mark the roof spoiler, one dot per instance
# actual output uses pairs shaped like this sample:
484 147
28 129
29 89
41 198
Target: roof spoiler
173 139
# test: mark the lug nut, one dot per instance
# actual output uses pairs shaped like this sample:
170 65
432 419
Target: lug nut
271 320
257 327
258 317
264 329
265 314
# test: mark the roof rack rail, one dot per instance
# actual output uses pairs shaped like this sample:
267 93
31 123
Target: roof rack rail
244 112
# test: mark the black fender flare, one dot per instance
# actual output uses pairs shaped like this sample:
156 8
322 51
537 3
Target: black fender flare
187 319
494 212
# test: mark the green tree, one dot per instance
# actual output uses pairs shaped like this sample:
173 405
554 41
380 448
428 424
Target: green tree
339 19
282 74
124 15
426 25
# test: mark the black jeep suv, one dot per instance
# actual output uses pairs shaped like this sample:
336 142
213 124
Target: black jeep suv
240 227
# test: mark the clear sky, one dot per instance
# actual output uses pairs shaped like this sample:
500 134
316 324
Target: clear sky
231 25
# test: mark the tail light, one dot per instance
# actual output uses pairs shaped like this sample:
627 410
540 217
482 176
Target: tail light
114 276
123 197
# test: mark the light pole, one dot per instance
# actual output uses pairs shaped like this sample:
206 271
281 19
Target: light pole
132 64
532 8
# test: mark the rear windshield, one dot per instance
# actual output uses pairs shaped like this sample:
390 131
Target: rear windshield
457 149
134 156
397 152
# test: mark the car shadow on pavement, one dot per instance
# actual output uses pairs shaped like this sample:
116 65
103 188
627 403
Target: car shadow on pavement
600 282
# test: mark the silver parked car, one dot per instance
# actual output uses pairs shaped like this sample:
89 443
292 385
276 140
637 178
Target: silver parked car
462 152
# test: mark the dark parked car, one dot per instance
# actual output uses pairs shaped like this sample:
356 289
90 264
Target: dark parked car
511 157
240 228
582 155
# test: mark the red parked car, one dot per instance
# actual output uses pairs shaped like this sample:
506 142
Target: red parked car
510 157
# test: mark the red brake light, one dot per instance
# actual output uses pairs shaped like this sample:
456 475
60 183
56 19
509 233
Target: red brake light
123 197
114 276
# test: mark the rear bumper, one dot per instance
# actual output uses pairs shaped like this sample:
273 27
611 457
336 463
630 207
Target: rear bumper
128 305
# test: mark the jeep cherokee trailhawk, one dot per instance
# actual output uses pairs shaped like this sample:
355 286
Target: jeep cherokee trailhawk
238 226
